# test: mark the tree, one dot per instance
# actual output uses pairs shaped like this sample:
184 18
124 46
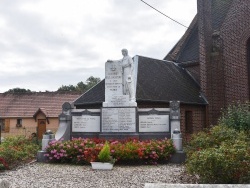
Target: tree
18 90
92 81
81 87
67 88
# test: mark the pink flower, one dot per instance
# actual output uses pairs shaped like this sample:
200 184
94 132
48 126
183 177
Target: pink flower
53 151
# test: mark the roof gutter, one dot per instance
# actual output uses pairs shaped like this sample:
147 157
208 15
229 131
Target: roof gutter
182 102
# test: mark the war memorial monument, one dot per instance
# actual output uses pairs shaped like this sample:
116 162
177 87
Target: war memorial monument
119 117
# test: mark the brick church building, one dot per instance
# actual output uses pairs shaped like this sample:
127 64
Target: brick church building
216 51
208 68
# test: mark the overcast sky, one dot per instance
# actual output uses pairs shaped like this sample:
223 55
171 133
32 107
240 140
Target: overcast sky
45 44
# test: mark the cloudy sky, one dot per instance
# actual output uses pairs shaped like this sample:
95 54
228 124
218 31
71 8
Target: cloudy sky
45 44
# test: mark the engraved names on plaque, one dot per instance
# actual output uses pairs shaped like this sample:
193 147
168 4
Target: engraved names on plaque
119 100
154 123
85 123
118 120
154 120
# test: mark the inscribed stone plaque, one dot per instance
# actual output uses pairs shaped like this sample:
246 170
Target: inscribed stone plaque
85 123
119 101
118 120
113 80
154 123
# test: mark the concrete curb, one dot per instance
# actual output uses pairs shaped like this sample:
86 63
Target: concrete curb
164 185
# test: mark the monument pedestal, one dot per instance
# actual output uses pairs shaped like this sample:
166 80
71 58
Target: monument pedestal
41 156
119 101
119 136
118 120
178 158
129 104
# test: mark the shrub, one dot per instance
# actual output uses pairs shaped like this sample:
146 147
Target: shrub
212 138
237 116
87 150
148 151
221 155
15 150
74 151
104 155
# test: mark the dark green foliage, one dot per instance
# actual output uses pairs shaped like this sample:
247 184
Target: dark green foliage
92 81
18 90
81 87
221 155
237 116
67 88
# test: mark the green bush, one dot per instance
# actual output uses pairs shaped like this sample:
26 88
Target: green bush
104 155
147 151
237 116
15 150
221 155
213 138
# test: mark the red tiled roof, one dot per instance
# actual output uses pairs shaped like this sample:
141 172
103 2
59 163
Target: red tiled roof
27 104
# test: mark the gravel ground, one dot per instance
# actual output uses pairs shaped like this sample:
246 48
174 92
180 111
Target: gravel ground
57 175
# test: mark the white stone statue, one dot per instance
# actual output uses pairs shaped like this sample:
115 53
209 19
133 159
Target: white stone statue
127 65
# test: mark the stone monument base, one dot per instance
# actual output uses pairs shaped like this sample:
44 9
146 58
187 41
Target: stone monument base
148 136
129 104
119 136
178 158
41 157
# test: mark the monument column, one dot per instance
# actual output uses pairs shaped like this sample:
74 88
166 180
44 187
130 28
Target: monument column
118 114
175 116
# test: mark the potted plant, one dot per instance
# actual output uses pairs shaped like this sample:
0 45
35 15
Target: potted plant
105 160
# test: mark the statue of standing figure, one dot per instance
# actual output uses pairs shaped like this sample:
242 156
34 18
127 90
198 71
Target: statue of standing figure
127 65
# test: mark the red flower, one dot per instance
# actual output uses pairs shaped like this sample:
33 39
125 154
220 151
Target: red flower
6 166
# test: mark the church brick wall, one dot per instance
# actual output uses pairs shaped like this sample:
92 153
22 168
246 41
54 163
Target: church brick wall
198 119
223 56
235 32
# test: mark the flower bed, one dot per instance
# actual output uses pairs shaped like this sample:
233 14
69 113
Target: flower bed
133 151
